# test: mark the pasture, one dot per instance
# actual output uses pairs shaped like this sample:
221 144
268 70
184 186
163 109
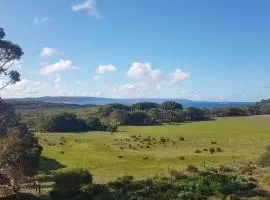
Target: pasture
150 150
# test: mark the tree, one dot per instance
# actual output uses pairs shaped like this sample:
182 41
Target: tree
140 118
9 53
171 105
196 114
63 122
144 106
20 151
119 117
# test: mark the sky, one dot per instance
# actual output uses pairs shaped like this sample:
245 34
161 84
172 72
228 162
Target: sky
215 50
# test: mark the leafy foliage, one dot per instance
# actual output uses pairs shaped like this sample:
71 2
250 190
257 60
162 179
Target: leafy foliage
198 186
264 159
69 122
9 52
20 151
171 105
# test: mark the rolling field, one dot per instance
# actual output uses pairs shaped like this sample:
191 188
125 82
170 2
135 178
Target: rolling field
148 151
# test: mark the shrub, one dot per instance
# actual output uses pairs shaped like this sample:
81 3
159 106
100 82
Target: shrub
112 128
182 158
192 168
181 138
219 149
213 142
205 149
64 122
70 184
140 118
120 156
212 150
62 152
264 159
198 151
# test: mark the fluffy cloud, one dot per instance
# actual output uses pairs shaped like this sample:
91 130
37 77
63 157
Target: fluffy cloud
47 51
41 20
177 77
23 88
102 69
89 6
130 87
61 66
150 79
141 71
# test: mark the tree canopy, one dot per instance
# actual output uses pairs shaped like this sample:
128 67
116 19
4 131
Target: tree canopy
9 53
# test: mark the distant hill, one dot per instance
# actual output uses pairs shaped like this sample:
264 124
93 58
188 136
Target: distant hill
62 101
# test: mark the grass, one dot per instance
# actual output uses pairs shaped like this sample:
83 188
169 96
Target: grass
108 156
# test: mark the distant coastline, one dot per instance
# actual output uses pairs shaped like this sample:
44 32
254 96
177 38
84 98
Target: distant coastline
83 101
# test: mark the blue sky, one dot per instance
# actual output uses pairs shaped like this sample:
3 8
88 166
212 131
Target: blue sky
194 49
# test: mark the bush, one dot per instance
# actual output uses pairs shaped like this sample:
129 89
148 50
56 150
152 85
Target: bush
112 128
140 118
68 122
64 122
264 159
212 150
71 184
181 138
198 151
219 149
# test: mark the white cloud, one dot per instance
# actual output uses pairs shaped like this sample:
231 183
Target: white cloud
141 71
57 80
23 88
41 20
145 75
177 77
102 69
47 51
130 87
89 6
61 66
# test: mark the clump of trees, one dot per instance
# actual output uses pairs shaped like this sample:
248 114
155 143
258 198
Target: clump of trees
69 122
77 184
149 113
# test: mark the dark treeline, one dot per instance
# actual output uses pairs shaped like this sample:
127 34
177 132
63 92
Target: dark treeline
108 117
67 122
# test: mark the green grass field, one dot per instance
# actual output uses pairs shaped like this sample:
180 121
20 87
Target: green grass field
108 155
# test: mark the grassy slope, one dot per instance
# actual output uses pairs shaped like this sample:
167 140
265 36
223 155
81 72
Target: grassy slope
241 138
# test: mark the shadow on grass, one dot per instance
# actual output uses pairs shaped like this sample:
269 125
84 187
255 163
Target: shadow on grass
48 164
